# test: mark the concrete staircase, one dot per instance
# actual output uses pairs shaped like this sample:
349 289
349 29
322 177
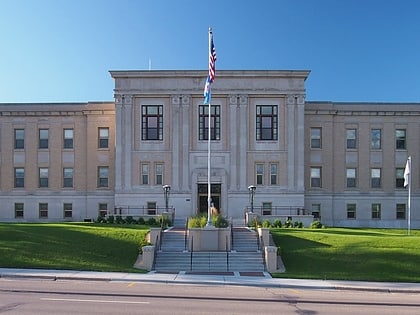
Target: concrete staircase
244 256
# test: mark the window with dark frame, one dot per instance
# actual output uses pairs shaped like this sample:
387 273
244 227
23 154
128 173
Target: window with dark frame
19 210
43 138
376 211
400 211
351 138
400 139
103 209
399 177
273 173
159 174
68 136
316 210
316 141
375 139
19 138
203 122
68 177
152 122
103 138
43 177
19 177
259 170
145 174
266 122
351 211
43 210
68 210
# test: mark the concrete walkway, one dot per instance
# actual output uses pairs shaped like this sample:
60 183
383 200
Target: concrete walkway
237 279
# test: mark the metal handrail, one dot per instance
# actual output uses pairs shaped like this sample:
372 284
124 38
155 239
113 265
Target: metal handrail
263 253
191 254
186 234
278 210
227 254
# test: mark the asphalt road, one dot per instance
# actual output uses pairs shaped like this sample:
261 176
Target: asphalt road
20 296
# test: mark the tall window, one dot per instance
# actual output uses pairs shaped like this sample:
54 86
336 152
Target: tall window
316 210
43 210
152 122
259 173
316 138
376 210
375 139
315 177
68 177
68 136
266 122
399 178
19 210
273 174
159 173
19 138
400 211
103 176
43 177
43 138
351 138
351 177
145 174
19 177
400 139
204 122
103 209
68 210
103 138
351 211
375 177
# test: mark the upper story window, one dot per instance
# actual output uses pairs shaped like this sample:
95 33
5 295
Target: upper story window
68 177
103 176
375 139
103 138
351 177
43 138
375 177
266 122
19 177
144 180
273 173
316 138
152 122
43 177
259 168
203 125
351 138
19 138
315 177
68 137
159 173
400 139
399 177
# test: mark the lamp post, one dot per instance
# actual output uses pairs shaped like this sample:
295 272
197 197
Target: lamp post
251 189
166 190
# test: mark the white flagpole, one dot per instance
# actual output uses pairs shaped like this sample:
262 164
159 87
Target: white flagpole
409 195
209 221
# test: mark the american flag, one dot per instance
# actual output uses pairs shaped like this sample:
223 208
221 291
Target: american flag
212 60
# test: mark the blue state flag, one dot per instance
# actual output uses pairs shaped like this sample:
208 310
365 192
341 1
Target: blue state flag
207 94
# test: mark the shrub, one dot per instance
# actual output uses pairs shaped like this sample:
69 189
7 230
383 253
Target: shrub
266 224
119 219
298 224
100 219
111 219
288 224
129 219
143 242
151 221
220 222
199 221
316 225
164 221
141 221
255 224
277 223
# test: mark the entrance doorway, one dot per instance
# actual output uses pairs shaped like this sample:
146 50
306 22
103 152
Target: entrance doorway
215 194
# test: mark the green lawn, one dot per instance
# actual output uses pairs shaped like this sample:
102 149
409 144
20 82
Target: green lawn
350 254
78 246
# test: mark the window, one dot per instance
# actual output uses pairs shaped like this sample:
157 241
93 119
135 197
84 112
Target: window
152 122
273 174
43 210
375 139
144 174
400 137
351 211
375 176
19 177
376 211
400 211
351 138
151 208
315 177
68 177
399 178
103 136
19 138
260 174
316 210
68 210
204 122
43 138
351 177
159 173
266 122
266 208
103 174
68 135
43 177
103 209
19 210
315 138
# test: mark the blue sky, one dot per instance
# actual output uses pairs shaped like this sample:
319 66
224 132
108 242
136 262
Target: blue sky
62 50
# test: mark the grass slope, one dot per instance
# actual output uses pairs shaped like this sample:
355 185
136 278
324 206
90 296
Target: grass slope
350 254
78 246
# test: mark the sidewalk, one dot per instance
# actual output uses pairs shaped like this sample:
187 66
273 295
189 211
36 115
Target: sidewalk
210 279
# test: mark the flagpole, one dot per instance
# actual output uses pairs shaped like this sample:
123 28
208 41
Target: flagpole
409 196
209 220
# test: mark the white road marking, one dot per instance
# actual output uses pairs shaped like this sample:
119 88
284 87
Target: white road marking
95 301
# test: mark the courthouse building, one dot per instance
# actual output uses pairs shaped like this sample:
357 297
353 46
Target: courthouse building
340 162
